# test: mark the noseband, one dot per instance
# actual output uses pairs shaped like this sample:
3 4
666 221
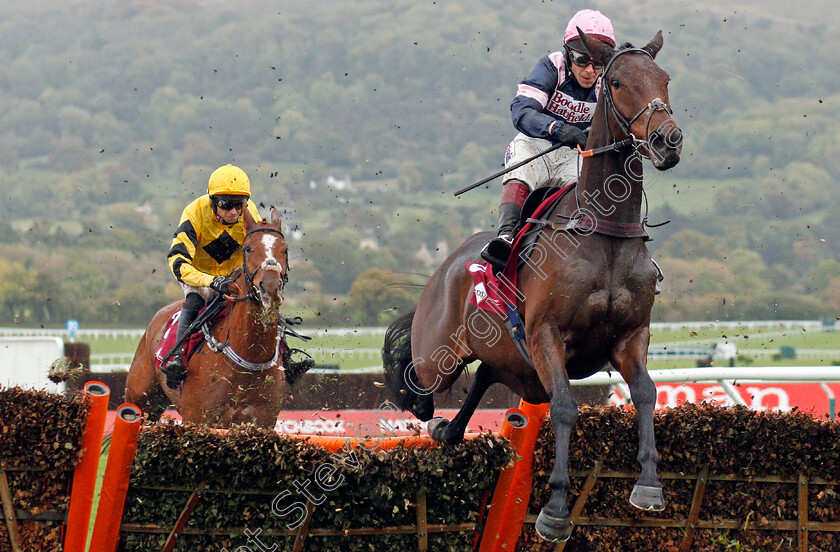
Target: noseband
653 106
252 294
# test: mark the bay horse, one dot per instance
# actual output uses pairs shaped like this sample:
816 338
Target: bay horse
245 381
584 303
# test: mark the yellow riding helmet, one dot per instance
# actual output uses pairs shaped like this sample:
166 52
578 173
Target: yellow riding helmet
229 180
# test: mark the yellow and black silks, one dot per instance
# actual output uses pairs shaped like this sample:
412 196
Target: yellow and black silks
203 247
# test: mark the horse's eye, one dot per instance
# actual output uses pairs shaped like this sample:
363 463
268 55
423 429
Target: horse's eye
247 248
615 82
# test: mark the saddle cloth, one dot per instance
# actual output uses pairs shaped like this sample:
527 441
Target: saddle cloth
488 293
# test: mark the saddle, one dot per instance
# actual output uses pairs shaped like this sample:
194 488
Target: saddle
528 228
194 339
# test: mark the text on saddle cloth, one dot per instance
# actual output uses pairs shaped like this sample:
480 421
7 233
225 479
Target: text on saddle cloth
489 293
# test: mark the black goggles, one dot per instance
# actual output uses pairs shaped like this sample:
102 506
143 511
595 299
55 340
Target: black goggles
226 204
582 60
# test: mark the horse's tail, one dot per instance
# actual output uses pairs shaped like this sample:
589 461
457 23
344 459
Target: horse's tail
399 370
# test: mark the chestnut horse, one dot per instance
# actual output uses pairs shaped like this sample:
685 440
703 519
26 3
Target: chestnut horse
585 299
245 381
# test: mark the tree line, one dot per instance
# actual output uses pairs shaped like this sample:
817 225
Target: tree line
113 120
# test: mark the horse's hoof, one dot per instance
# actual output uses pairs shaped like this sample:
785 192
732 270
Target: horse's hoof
423 408
647 498
553 529
436 428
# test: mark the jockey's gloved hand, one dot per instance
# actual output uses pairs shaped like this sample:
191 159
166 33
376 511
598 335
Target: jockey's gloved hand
569 135
220 284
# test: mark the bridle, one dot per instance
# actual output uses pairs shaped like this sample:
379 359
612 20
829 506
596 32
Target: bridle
624 124
252 293
652 107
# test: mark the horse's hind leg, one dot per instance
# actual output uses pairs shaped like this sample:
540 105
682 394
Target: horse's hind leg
452 432
630 360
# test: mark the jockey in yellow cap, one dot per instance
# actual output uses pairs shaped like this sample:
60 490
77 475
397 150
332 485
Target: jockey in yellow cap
206 248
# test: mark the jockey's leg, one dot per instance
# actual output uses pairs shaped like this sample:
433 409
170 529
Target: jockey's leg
175 370
497 251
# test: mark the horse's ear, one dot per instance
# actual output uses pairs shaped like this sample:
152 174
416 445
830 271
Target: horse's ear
248 219
599 51
275 217
654 45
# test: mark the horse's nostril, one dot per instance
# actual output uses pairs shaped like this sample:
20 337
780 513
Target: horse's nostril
674 138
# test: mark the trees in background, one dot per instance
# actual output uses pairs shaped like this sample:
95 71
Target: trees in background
112 121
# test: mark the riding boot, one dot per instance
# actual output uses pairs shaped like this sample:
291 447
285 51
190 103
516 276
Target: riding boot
296 368
175 370
659 277
497 251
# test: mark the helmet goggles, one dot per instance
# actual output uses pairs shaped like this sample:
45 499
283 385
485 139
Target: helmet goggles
228 202
582 59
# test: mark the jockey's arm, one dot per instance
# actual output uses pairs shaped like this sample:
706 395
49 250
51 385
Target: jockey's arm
527 109
182 251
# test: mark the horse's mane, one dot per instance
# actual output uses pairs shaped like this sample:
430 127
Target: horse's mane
625 46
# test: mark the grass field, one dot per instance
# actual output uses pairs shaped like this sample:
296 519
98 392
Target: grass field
349 348
752 339
100 474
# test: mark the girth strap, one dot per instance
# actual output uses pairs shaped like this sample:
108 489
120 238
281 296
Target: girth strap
516 329
609 228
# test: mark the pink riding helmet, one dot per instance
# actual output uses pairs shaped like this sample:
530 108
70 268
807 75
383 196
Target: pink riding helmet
593 23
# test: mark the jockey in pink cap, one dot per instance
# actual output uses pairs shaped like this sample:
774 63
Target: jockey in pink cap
553 105
594 23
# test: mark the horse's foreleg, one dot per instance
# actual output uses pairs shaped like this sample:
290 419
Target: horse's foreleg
630 358
647 493
549 356
453 432
553 522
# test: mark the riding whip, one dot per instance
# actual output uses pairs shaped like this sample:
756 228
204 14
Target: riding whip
508 169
